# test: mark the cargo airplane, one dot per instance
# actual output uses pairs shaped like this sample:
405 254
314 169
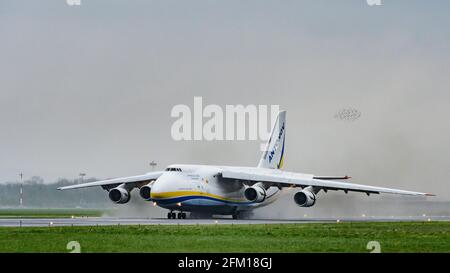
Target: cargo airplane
227 190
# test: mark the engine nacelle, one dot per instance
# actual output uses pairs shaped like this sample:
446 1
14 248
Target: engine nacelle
119 195
145 192
305 198
256 193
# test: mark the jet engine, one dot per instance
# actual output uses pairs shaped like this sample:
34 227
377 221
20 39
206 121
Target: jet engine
119 195
255 193
145 192
305 198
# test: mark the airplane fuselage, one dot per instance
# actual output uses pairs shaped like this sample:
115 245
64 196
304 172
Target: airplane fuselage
200 188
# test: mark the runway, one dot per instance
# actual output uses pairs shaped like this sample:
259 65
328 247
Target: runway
112 221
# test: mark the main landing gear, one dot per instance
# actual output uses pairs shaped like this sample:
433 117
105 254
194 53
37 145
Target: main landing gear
173 215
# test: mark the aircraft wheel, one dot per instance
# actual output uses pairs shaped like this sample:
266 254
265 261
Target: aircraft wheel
183 215
174 215
235 216
169 215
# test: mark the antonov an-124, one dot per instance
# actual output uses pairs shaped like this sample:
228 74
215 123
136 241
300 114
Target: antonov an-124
226 190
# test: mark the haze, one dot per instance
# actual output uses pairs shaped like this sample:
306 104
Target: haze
90 88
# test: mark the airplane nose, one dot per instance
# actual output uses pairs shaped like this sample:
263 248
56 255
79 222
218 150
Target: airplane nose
161 187
156 189
166 187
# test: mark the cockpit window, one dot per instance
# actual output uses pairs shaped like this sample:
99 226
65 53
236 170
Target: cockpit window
173 170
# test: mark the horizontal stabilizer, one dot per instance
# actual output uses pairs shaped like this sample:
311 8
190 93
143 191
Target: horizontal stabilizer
332 177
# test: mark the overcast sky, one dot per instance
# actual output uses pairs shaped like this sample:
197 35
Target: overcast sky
90 88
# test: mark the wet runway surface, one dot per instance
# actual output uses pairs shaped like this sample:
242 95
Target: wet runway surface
111 221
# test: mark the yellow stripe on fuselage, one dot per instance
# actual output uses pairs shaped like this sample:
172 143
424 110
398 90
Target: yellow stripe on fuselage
281 163
175 194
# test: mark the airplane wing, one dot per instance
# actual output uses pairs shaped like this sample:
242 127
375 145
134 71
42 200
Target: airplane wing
111 183
276 177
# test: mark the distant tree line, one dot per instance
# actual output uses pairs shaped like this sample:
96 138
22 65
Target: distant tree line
37 193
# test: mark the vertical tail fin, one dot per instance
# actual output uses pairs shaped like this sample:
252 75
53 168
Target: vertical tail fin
273 155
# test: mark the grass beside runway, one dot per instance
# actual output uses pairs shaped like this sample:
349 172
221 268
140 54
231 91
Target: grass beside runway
47 213
339 237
